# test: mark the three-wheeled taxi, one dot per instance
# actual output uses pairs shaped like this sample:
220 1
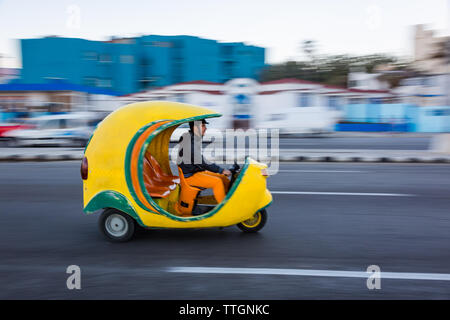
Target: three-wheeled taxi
126 173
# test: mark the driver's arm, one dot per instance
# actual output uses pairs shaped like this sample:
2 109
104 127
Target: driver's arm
210 166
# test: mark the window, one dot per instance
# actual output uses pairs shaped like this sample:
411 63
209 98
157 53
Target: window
305 100
411 82
353 100
375 100
352 83
127 59
90 81
333 102
75 123
180 97
428 81
161 44
276 117
90 56
438 112
227 50
48 124
105 58
105 83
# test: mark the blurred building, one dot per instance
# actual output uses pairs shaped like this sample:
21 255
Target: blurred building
424 90
428 83
291 105
421 100
8 74
129 65
431 52
431 87
367 81
17 98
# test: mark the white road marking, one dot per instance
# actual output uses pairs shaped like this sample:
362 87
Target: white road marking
345 193
322 171
312 273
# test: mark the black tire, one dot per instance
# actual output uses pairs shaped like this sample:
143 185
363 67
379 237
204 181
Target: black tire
116 225
259 224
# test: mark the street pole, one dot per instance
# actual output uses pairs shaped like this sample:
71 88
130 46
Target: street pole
447 55
447 67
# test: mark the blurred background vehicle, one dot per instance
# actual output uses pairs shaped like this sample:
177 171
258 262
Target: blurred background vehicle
7 127
72 129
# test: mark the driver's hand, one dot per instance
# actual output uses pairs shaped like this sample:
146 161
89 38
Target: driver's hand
227 172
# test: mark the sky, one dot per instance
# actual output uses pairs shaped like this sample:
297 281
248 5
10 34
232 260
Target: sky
338 27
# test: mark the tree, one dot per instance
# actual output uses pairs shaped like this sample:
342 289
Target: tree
309 48
332 70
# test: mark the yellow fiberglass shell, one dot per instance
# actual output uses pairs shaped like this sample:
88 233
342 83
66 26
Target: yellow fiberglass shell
109 182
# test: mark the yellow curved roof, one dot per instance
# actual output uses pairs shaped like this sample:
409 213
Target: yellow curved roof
136 115
122 124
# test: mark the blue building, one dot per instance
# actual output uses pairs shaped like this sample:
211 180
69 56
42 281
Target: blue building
128 65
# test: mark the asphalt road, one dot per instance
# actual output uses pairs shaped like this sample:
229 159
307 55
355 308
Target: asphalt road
375 142
348 217
372 143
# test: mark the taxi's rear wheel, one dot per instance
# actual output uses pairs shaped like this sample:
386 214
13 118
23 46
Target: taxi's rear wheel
116 226
255 223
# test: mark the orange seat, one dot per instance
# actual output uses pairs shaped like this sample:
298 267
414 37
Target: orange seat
159 172
155 186
188 194
157 179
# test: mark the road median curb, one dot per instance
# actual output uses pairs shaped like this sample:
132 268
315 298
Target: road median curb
282 158
39 157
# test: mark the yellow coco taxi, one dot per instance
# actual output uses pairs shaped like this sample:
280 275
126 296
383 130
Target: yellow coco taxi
126 173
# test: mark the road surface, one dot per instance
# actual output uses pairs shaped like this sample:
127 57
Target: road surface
325 218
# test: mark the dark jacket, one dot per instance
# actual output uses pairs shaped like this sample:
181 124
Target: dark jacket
197 162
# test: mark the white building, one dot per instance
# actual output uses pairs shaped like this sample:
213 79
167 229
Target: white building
430 56
291 105
431 85
424 90
366 81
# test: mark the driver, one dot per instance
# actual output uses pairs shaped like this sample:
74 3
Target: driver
198 172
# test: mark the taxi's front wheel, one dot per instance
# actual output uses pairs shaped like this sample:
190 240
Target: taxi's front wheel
255 223
116 226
